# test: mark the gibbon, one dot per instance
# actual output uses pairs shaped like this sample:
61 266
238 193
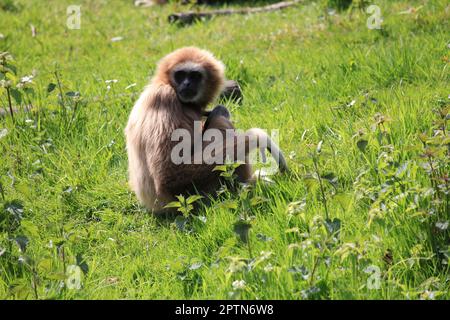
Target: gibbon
185 82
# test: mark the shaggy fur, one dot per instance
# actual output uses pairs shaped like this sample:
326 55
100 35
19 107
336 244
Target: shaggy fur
154 178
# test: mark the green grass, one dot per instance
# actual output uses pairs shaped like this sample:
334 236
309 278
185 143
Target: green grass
300 70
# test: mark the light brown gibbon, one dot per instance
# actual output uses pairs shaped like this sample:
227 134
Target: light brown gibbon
185 82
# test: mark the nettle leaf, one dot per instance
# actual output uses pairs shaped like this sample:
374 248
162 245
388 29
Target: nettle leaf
51 87
362 145
17 95
331 178
300 270
10 68
222 168
181 199
180 223
333 226
45 265
56 276
22 242
228 204
193 198
81 262
30 229
20 289
173 204
73 94
242 229
311 182
257 200
344 199
29 91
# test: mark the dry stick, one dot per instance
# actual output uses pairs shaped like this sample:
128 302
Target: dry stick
191 16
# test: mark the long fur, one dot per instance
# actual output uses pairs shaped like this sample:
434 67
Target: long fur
154 178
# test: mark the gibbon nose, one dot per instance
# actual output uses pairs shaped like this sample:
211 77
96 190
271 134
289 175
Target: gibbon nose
186 84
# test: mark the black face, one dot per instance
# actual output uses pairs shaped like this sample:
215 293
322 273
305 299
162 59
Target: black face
188 84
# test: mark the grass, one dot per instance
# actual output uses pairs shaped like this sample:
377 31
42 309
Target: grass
315 76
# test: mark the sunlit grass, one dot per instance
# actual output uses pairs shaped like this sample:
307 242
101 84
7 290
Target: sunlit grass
314 76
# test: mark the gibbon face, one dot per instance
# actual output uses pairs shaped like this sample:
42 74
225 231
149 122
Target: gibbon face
188 80
196 76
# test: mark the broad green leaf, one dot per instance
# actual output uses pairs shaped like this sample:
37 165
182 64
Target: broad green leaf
22 242
344 199
81 262
242 228
30 229
181 222
51 87
17 95
362 145
333 226
222 167
45 265
181 198
257 200
228 204
194 198
173 204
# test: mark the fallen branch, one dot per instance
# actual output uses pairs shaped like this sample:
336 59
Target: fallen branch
191 16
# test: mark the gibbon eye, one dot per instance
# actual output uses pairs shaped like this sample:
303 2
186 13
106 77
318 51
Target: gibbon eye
179 76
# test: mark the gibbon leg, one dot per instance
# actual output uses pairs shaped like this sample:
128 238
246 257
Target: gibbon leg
219 118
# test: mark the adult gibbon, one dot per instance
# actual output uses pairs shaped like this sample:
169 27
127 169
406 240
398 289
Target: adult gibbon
185 82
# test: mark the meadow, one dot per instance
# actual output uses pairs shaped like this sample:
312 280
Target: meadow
362 116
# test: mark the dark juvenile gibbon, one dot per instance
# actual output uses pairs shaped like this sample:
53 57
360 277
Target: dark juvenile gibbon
185 82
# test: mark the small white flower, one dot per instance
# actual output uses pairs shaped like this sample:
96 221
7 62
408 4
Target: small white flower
111 81
27 79
265 255
115 39
3 133
268 268
351 104
238 284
